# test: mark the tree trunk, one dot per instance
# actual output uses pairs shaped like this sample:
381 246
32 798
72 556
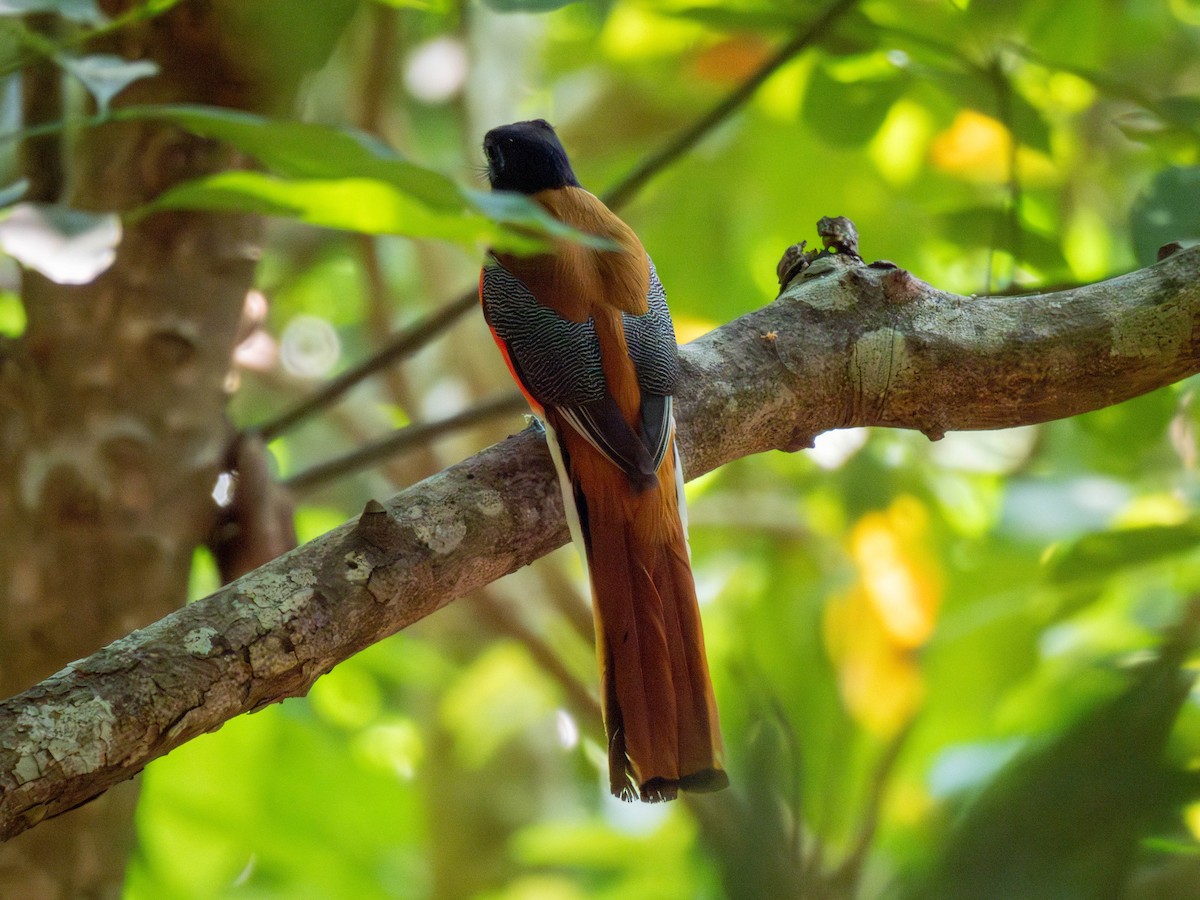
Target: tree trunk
112 425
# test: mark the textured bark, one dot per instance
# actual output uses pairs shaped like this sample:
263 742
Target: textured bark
112 425
877 346
848 345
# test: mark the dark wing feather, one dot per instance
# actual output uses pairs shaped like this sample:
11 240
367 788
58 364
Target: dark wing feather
658 424
655 355
602 425
651 340
558 362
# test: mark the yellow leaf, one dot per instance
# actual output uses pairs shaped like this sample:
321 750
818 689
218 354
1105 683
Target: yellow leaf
879 682
975 146
899 580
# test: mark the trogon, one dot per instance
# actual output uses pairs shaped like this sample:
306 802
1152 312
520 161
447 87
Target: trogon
586 333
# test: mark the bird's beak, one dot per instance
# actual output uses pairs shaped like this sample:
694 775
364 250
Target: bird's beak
495 159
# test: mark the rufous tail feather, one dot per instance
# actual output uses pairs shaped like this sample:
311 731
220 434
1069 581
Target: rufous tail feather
660 714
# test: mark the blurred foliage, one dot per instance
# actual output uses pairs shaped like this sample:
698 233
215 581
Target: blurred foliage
956 669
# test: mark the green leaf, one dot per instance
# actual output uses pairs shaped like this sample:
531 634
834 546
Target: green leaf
1123 439
342 178
728 18
13 192
1099 555
987 227
1168 140
1181 110
12 315
306 150
854 32
849 113
84 11
353 204
1028 125
851 33
1065 818
499 695
978 92
424 5
1168 211
105 75
520 212
527 6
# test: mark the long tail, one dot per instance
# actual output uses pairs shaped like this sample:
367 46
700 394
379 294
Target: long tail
660 715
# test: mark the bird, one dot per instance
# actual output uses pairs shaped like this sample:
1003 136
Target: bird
585 331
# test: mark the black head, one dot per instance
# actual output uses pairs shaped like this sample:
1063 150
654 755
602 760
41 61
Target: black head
527 157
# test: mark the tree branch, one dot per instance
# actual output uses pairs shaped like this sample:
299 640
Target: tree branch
624 191
407 342
846 344
397 347
401 440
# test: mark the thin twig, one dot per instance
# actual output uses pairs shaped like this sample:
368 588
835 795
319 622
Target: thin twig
1012 220
52 50
307 611
564 595
400 345
1113 87
622 192
378 316
368 455
847 874
617 196
378 69
584 703
795 787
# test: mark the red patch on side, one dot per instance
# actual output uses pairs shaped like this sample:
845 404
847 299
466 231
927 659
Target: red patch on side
533 404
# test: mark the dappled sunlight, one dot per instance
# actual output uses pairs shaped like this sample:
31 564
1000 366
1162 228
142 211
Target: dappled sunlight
436 70
780 97
1186 11
636 33
899 149
688 328
12 315
950 668
568 729
1191 815
978 148
881 684
831 449
309 347
396 746
1087 246
1153 509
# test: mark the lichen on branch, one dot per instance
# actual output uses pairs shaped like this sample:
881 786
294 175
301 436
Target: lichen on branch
845 344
